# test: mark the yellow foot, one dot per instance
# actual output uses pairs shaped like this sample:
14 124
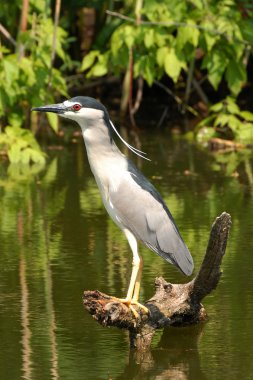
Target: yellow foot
129 303
144 308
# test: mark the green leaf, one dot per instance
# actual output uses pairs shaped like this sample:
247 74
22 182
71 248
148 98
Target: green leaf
215 63
217 107
129 33
235 76
26 66
173 64
247 115
246 133
16 119
188 34
116 41
100 68
210 40
207 121
161 55
145 66
37 156
89 59
234 123
246 27
10 70
149 38
53 120
14 153
232 107
221 120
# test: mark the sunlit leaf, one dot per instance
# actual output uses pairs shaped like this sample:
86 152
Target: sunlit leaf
247 115
161 55
89 59
188 34
173 64
53 120
231 106
217 107
149 38
246 133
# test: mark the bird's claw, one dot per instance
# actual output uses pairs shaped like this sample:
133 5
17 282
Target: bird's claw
129 303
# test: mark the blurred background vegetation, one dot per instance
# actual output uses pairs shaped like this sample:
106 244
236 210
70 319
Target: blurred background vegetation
188 62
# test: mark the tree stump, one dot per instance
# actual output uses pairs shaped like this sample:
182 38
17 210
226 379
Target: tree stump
172 304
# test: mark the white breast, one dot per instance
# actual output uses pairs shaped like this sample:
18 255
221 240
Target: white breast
108 169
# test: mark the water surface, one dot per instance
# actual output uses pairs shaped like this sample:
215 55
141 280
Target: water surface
56 241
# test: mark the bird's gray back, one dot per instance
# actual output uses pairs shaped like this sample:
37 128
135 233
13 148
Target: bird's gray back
142 210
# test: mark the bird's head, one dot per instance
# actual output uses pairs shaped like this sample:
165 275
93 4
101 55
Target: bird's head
89 114
82 109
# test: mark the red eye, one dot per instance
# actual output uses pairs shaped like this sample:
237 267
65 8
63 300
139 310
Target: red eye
76 107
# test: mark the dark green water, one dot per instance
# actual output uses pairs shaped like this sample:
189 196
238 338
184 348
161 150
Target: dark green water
56 241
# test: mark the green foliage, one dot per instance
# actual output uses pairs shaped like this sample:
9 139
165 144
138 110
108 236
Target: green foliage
21 146
166 40
226 118
27 79
24 78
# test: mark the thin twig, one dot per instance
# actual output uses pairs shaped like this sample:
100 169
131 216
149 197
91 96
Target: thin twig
139 95
200 91
53 52
7 35
134 107
189 80
162 118
130 93
20 48
176 98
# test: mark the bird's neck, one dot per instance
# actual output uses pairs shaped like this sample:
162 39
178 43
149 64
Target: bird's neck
97 138
100 146
106 161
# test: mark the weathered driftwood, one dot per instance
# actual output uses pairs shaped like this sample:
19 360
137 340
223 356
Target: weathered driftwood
172 304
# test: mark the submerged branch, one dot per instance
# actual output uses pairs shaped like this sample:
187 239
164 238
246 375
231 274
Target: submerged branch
172 304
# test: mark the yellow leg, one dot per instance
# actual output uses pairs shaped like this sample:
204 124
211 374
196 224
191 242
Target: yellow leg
134 285
137 289
138 282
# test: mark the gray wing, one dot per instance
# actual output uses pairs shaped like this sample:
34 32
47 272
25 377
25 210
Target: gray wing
142 210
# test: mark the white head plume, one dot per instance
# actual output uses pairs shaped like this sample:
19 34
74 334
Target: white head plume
130 147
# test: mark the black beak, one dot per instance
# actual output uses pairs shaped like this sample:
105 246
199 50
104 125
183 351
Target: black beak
55 108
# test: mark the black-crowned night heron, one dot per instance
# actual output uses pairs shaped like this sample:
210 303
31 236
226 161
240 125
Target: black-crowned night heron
130 199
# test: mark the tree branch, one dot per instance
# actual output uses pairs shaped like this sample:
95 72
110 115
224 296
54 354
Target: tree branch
172 304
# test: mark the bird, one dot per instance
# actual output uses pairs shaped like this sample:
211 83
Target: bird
130 199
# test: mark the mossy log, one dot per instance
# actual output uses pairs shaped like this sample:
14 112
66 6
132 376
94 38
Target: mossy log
172 304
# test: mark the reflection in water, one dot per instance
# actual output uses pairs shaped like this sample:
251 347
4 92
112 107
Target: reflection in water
176 357
24 308
49 294
26 332
52 326
67 244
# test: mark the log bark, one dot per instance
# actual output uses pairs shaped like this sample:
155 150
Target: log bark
172 304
